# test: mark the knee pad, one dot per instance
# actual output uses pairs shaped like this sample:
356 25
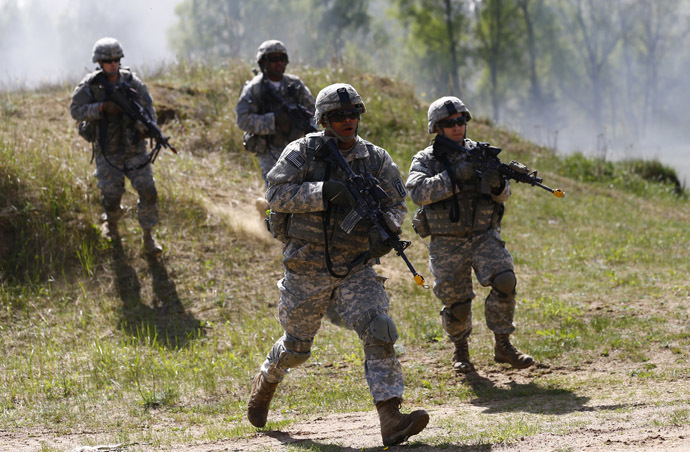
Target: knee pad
504 283
457 311
383 329
291 353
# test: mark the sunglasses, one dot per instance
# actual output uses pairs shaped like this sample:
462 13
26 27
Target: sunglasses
342 115
114 60
277 58
448 123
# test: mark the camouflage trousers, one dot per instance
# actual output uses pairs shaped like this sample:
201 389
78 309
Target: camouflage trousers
306 291
451 260
111 182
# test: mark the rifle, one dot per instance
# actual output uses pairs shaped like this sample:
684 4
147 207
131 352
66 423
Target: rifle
127 98
299 115
368 195
485 158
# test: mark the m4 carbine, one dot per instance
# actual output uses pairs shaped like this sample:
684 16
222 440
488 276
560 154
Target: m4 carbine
367 195
298 114
127 98
484 157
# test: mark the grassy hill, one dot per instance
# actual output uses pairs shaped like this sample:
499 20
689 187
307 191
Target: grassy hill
103 343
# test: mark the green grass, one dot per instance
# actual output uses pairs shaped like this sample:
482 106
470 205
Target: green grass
97 338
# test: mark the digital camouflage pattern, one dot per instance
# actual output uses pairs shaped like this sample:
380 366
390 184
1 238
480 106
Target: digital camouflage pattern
333 97
455 249
270 46
119 140
256 117
444 107
307 289
106 49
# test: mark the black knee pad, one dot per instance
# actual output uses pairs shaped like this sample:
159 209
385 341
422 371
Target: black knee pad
504 283
457 311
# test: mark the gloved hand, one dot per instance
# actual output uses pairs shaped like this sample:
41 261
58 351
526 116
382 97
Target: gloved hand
463 171
283 123
110 108
494 180
377 247
337 193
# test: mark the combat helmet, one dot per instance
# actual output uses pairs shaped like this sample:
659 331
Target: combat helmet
333 97
444 107
270 46
107 49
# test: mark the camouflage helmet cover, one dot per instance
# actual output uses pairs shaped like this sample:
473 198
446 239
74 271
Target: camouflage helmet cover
444 107
333 97
270 46
107 49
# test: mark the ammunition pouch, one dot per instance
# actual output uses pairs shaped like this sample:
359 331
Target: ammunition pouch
420 223
254 143
88 130
277 224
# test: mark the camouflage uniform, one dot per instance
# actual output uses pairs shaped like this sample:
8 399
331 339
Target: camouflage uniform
456 248
307 288
256 112
117 145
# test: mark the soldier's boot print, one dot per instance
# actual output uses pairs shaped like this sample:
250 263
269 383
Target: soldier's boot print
397 427
151 246
505 352
461 357
260 400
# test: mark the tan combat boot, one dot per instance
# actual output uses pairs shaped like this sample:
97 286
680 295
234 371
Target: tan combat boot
461 358
109 227
505 352
259 400
397 427
151 247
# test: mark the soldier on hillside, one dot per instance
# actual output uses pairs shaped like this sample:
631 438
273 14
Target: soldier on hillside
462 212
325 265
119 144
272 121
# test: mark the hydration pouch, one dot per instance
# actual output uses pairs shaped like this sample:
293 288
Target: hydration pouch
87 130
420 223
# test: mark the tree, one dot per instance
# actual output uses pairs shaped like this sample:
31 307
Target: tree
499 46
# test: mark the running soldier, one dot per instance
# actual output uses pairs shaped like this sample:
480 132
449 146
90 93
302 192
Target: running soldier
325 265
462 212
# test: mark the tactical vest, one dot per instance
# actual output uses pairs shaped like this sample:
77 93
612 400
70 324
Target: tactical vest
112 131
310 226
477 211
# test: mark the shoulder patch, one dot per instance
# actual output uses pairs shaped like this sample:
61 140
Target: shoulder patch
296 159
397 183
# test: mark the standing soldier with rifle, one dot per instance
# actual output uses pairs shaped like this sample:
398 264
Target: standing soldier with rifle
462 206
274 108
335 229
117 115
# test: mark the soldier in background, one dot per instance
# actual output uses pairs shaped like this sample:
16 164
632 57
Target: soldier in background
462 212
119 144
267 126
336 270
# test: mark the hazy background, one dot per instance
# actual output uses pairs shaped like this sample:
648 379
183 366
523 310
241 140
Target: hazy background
605 78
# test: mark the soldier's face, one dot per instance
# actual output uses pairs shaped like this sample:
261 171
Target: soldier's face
344 122
275 65
452 127
110 67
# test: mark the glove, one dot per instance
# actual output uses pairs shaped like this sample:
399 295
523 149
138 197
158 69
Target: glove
463 170
110 108
495 181
337 193
377 247
283 123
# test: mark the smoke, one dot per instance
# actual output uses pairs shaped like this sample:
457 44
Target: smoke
50 41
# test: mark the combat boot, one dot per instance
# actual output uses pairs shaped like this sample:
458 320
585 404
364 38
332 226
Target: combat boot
397 427
109 227
151 247
461 357
260 400
505 352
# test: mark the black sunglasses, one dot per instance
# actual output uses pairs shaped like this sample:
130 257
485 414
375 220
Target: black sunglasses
448 123
114 60
342 115
277 58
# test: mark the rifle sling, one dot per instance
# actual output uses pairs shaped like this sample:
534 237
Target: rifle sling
454 213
